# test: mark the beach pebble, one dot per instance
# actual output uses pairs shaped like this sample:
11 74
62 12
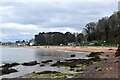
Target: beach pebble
8 71
98 69
107 55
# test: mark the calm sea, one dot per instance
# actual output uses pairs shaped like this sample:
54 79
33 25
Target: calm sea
21 55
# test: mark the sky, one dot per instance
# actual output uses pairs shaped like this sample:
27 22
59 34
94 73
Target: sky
21 20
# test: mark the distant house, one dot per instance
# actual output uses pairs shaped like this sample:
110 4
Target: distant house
21 43
73 44
32 42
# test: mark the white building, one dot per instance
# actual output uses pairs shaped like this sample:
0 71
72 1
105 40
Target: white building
119 6
31 42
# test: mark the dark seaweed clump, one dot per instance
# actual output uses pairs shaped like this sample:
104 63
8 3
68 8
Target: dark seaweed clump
48 72
47 61
72 63
8 71
30 63
7 65
94 54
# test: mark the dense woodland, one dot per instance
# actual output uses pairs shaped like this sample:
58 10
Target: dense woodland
106 29
54 38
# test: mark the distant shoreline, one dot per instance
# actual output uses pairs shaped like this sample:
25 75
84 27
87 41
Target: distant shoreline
71 48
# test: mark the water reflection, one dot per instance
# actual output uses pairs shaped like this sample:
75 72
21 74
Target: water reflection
50 54
57 55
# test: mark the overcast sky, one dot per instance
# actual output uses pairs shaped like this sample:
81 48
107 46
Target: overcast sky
22 20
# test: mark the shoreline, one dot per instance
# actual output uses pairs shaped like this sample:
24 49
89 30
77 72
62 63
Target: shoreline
110 65
72 48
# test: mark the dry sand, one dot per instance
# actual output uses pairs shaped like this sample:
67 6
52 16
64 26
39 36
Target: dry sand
76 48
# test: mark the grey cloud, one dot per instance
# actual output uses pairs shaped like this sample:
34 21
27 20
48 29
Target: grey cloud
54 15
38 13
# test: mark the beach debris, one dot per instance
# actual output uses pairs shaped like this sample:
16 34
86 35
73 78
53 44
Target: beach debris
47 61
107 55
105 59
73 66
73 55
71 69
30 63
96 58
110 49
8 71
33 72
116 61
117 52
98 69
47 72
79 70
7 65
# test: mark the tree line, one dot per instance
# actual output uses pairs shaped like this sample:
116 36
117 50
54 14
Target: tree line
54 38
106 29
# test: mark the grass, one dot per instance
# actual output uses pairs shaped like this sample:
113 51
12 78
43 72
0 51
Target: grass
51 75
98 62
80 66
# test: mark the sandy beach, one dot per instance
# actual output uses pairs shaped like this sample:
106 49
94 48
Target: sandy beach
76 48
